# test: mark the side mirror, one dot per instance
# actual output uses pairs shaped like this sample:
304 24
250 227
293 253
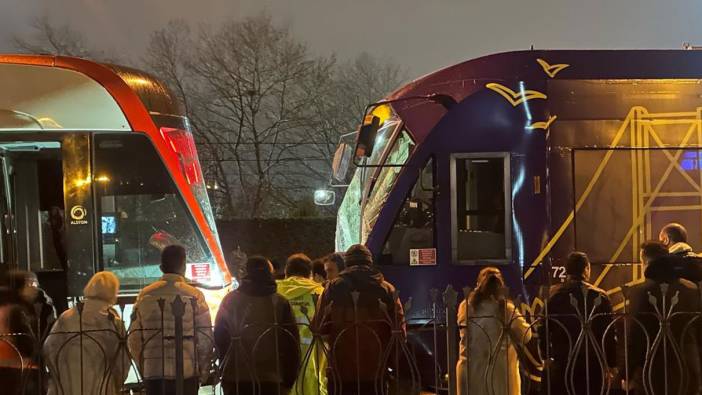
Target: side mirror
366 136
342 159
324 197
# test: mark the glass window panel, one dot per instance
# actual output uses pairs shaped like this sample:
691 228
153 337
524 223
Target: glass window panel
480 208
414 225
141 211
348 219
381 187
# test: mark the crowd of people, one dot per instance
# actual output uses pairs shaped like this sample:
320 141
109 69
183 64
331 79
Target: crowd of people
655 347
266 335
330 327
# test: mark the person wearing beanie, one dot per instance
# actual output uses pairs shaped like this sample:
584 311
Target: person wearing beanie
357 306
106 360
256 335
358 254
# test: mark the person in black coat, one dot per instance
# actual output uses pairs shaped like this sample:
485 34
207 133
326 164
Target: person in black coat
664 335
256 335
687 263
570 339
28 314
359 314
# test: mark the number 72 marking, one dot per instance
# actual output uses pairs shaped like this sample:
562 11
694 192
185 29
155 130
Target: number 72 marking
558 272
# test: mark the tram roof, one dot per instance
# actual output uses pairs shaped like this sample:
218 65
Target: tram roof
463 79
46 92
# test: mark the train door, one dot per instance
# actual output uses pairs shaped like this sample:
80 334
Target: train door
7 219
46 204
35 180
480 208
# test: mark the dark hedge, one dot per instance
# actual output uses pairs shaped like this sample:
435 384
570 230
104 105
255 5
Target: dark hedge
278 238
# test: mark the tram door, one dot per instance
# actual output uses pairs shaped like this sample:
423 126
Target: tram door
46 208
35 182
7 218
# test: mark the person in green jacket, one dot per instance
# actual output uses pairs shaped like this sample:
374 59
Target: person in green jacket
302 292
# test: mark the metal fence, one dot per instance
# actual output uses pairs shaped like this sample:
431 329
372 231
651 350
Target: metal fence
576 345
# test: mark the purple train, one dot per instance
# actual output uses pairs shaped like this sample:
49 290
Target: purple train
516 159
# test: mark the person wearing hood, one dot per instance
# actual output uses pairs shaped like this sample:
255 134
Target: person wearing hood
256 335
362 319
19 357
663 362
302 292
85 350
689 264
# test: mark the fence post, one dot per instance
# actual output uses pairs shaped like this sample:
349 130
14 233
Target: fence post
450 296
434 295
178 309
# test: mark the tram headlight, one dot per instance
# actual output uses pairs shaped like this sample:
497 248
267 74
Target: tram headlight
324 197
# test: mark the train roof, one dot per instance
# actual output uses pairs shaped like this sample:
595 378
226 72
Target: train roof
49 92
508 68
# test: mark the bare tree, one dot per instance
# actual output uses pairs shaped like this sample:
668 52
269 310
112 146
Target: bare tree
49 38
356 83
260 77
169 55
266 113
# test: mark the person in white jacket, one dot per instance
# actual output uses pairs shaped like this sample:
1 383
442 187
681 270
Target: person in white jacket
84 351
152 331
491 327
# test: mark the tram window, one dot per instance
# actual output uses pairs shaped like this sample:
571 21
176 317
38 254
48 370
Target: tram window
414 226
140 209
380 187
479 203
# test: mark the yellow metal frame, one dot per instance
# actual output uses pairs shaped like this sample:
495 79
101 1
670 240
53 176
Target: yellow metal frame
642 127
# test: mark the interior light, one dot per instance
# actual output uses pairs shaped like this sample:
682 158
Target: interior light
80 182
383 111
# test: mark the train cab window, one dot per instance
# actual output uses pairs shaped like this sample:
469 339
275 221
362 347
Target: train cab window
479 206
140 210
381 186
414 226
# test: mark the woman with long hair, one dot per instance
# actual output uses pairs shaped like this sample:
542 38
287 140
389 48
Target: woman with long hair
491 328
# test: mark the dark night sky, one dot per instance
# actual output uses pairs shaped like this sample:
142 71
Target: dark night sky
422 35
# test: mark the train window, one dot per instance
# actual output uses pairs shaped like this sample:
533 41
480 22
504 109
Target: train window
414 226
381 186
140 210
479 205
